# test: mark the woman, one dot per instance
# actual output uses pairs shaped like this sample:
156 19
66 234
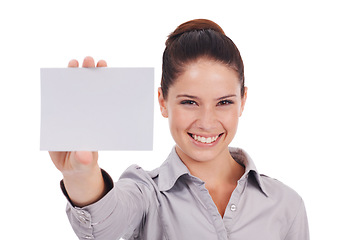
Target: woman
204 190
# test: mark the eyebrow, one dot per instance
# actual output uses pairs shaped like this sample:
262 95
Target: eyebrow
195 97
186 95
227 96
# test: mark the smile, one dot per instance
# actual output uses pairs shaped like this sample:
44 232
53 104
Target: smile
204 139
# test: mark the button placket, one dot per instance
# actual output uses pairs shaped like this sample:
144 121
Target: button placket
232 208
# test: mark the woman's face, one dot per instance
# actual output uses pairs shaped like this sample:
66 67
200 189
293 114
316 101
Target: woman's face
203 107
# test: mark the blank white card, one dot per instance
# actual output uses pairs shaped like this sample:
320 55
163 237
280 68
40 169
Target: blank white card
97 109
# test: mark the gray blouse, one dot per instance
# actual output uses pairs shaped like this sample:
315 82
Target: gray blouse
170 203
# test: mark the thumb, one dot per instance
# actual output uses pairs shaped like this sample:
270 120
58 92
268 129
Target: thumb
84 157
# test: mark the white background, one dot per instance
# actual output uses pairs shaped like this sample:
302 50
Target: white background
293 125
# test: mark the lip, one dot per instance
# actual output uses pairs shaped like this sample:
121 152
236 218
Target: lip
200 144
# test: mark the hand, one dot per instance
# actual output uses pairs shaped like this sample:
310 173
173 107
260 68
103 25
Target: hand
70 162
82 175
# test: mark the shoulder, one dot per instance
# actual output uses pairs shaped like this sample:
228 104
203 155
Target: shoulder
288 207
279 192
139 176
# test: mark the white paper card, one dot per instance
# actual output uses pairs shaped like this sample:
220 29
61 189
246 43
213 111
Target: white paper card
97 109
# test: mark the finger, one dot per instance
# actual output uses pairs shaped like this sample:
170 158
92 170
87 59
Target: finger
58 159
88 62
73 63
101 63
95 155
57 156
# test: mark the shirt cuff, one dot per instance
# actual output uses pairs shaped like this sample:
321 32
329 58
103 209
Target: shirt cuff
107 180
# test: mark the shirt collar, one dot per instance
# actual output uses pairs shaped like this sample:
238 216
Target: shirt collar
244 159
170 171
173 168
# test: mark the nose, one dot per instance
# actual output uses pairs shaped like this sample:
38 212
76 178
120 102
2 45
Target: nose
206 119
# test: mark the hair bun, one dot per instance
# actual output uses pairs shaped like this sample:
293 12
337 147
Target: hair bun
194 25
199 38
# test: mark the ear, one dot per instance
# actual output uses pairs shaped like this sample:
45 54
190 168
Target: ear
243 101
162 103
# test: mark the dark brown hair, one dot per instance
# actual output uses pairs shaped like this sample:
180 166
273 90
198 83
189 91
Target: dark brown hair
193 40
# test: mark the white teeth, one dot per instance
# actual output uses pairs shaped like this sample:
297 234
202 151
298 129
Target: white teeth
204 139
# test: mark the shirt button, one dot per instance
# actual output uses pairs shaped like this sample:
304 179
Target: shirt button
80 212
88 237
82 219
233 207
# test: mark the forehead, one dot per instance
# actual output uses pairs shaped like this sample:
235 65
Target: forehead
207 77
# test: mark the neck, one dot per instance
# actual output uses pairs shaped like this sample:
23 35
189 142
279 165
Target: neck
216 172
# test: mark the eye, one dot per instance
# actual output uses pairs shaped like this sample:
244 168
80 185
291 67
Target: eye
188 102
224 102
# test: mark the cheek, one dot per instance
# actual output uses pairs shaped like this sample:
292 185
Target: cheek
178 123
230 119
178 118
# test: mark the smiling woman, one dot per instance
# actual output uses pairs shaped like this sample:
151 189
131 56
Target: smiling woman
205 189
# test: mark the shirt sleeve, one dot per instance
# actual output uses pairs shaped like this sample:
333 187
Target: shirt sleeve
299 228
118 213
